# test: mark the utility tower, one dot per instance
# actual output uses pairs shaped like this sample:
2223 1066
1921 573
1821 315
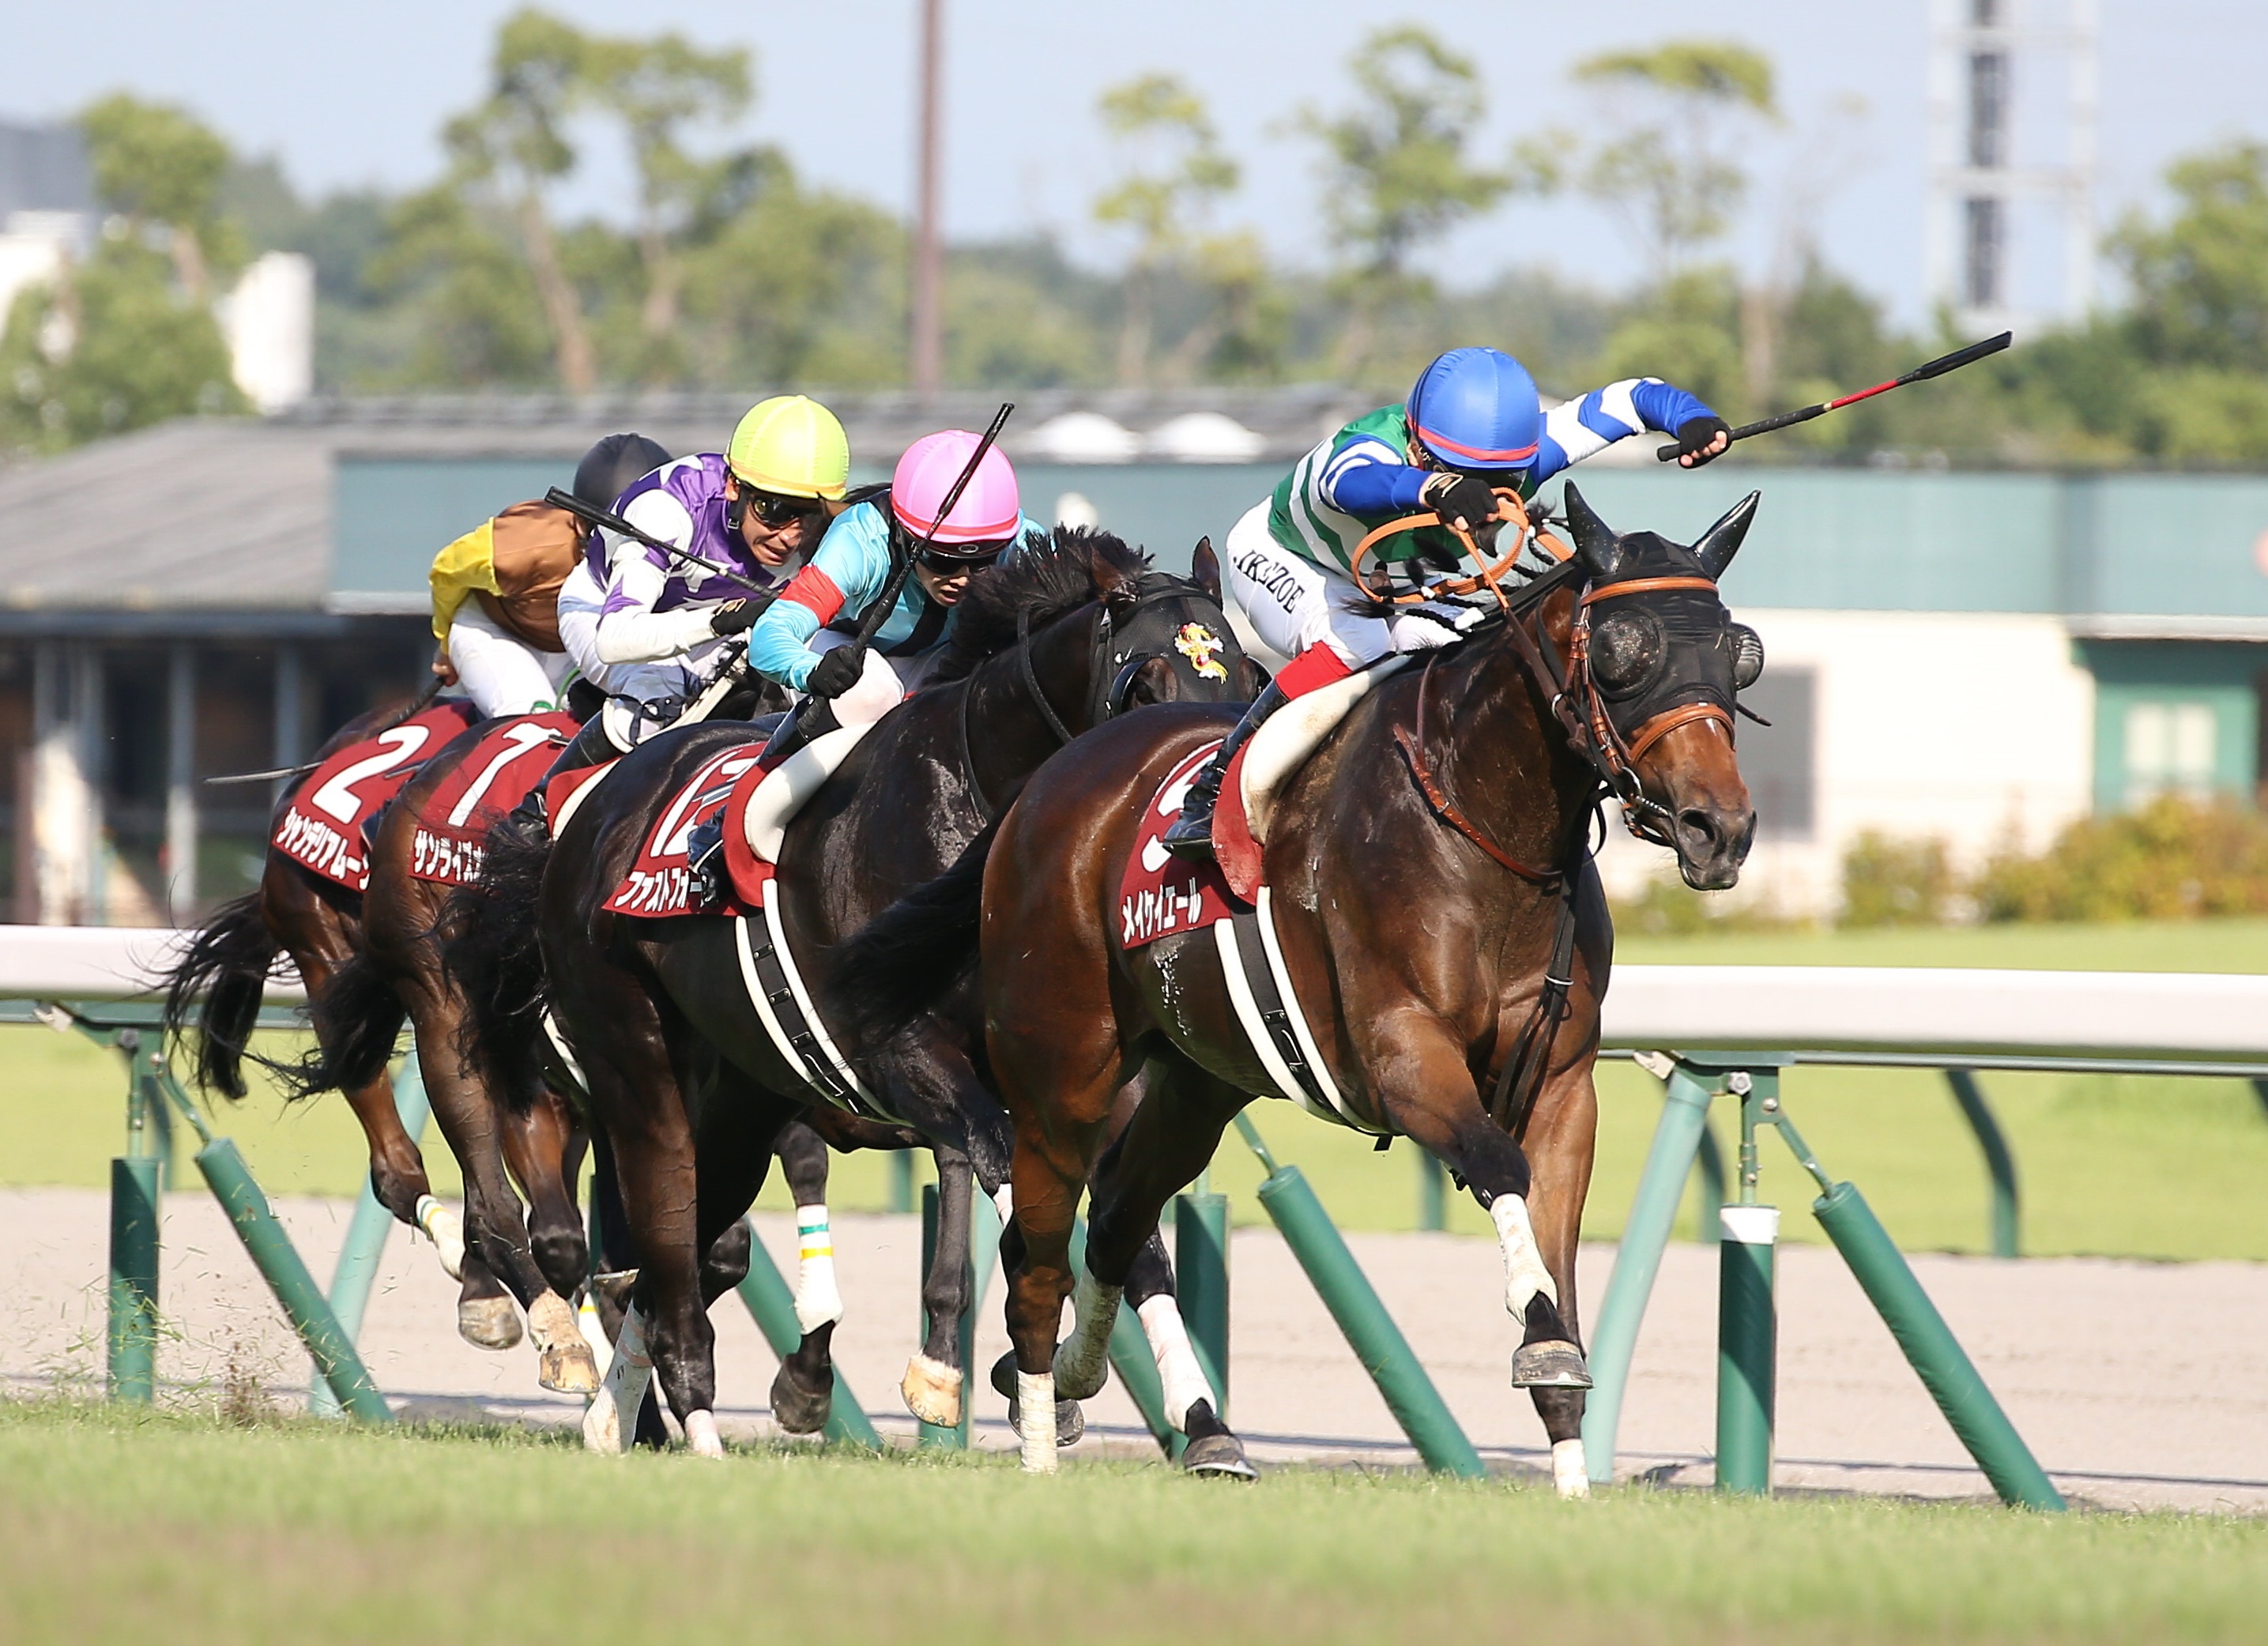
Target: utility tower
1995 181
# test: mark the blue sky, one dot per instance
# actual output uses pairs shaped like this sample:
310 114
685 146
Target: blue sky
349 92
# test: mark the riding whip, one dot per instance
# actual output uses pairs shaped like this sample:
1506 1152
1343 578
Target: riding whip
880 611
1936 368
608 520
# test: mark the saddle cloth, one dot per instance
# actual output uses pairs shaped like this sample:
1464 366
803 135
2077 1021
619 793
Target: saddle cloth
508 761
661 883
322 828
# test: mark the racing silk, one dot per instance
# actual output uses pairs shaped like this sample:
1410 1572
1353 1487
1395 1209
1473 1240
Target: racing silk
659 607
1361 477
512 566
844 578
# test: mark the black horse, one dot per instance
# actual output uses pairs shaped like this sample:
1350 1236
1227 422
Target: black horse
681 1069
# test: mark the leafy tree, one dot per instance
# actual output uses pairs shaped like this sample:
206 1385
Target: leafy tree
458 275
1681 107
160 168
1175 172
2201 282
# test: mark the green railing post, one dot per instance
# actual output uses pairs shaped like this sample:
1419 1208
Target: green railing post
1748 1325
1432 1192
771 1303
1200 1282
1709 1167
1646 1235
902 1180
1370 1330
1999 1163
134 1278
367 1230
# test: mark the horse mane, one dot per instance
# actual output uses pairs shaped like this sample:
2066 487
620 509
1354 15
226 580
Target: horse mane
1039 580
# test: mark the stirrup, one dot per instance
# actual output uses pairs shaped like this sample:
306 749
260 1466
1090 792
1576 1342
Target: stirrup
1190 834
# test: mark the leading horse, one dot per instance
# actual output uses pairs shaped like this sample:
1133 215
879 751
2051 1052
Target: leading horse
1439 920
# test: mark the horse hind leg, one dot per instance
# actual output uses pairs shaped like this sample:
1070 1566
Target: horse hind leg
803 1392
544 1152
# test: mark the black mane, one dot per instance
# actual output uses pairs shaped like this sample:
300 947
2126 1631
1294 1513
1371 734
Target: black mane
1040 580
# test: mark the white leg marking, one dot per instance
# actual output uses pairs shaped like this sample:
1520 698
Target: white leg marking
1004 1201
1568 1472
1524 1274
700 1435
1083 1360
1178 1370
594 1334
446 1230
817 1301
932 1390
611 1422
1035 1409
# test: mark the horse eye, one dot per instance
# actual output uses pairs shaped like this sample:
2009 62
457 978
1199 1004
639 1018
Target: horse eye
1626 650
1748 657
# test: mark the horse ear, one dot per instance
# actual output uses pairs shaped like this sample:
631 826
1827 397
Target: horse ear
1595 540
1116 582
1204 569
1717 546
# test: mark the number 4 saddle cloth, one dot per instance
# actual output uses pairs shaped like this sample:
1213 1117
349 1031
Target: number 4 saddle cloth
325 823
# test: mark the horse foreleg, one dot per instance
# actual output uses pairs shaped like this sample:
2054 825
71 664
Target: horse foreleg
1560 1135
936 1382
544 1149
803 1393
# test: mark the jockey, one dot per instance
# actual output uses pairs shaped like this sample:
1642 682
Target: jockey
751 513
807 639
495 590
1472 423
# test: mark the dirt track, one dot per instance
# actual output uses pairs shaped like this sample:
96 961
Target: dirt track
2137 1384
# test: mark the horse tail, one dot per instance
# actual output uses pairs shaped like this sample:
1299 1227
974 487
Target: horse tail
357 1019
914 953
493 949
222 976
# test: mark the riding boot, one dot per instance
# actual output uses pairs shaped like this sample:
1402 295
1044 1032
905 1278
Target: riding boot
811 718
589 747
1192 833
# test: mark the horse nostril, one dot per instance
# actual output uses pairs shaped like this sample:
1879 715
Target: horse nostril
1698 820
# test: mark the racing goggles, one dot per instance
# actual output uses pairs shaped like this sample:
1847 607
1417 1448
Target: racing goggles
778 512
962 559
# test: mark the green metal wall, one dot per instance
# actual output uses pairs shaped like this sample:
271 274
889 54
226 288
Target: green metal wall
2148 694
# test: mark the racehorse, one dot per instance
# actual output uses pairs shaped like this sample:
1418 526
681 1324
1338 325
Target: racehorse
1440 921
682 1072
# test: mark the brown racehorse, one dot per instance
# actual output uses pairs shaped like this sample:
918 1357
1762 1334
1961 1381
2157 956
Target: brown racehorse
682 1073
1427 864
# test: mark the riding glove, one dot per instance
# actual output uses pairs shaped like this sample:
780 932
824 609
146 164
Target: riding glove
1459 499
735 617
1694 436
836 672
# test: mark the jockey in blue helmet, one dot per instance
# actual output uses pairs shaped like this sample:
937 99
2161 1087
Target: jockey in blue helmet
1472 423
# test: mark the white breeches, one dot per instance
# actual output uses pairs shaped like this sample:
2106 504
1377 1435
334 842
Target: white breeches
502 675
1293 604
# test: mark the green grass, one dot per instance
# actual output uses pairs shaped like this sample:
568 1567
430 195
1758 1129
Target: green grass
135 1527
2158 1168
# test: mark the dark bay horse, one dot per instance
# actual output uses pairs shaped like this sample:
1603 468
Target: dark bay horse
682 1072
1427 870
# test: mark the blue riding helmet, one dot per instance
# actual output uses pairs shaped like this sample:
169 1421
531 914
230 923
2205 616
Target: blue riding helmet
1475 410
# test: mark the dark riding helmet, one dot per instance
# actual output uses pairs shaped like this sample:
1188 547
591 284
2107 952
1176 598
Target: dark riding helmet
615 465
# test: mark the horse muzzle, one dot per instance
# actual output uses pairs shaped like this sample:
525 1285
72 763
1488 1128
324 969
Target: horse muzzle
1712 841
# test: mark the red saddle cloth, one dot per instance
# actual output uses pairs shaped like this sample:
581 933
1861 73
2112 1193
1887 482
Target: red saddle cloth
1162 894
506 763
659 884
323 821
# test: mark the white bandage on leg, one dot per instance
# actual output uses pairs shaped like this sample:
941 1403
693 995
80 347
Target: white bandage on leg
594 1333
1004 1201
446 1230
610 1424
817 1301
1083 1359
1036 1412
1569 1474
701 1437
1524 1274
1178 1371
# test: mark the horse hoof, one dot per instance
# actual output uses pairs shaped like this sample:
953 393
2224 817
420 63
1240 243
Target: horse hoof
1071 1422
932 1390
1220 1455
1550 1365
568 1369
798 1409
491 1323
701 1437
1003 1376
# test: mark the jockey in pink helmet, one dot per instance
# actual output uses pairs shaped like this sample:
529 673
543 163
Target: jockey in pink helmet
804 639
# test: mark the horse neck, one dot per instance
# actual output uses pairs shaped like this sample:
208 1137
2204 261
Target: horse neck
1490 734
1008 735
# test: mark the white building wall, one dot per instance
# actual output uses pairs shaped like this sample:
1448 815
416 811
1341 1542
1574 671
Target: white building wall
270 321
1970 726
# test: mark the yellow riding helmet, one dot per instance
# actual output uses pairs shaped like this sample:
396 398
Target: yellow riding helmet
791 446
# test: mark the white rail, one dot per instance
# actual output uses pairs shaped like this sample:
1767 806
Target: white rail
100 963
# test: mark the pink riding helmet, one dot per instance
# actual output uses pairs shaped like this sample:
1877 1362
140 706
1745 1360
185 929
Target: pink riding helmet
988 508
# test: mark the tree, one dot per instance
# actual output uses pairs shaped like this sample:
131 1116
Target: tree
2201 282
1674 174
1396 168
516 140
160 168
1174 174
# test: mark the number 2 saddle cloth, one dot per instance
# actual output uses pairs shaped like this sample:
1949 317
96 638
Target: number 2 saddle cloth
326 822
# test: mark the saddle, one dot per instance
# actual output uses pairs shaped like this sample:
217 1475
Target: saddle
495 776
324 820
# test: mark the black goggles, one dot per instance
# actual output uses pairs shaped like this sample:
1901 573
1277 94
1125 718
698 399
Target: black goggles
777 511
976 557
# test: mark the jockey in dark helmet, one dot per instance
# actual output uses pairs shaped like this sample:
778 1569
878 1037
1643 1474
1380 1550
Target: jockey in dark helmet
1472 423
498 604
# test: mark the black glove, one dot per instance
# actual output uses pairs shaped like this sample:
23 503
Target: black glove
837 672
735 617
1694 436
1459 499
